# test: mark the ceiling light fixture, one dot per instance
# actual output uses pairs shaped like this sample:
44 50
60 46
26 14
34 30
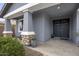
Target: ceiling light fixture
58 7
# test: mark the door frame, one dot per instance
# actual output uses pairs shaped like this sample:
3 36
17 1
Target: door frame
61 20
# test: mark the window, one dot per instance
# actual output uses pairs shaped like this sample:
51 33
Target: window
21 25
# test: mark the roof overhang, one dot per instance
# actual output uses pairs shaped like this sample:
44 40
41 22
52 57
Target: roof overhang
4 9
31 7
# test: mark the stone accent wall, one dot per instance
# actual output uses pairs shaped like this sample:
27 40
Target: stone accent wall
26 39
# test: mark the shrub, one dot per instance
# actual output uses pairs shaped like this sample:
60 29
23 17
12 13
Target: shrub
10 46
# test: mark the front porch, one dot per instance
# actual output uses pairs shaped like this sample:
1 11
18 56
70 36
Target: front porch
38 24
57 47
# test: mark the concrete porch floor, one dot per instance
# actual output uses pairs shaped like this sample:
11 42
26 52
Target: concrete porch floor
57 47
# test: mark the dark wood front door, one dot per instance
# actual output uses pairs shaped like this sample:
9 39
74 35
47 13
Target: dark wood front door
61 28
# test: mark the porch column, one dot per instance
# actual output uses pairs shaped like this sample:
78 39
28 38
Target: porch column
16 28
27 34
7 28
77 27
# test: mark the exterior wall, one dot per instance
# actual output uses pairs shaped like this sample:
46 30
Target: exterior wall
70 31
42 27
18 25
28 25
8 26
77 27
51 26
73 27
15 6
46 28
38 25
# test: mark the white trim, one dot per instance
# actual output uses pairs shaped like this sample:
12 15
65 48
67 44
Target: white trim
27 33
7 32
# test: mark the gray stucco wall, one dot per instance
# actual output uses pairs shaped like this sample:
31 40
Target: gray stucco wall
73 27
77 26
51 25
28 22
42 27
7 25
47 27
17 28
74 32
15 6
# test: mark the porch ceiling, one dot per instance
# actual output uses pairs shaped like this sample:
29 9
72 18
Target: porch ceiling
60 10
31 7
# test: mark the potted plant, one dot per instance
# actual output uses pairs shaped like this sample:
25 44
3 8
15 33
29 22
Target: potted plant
34 42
